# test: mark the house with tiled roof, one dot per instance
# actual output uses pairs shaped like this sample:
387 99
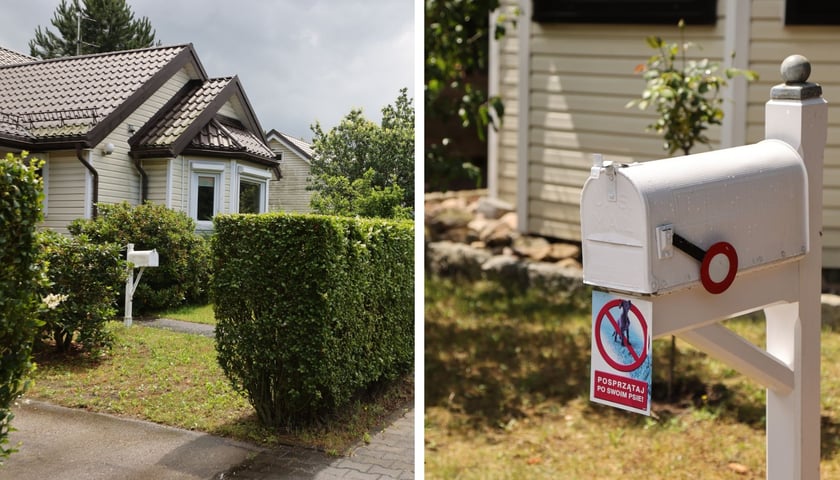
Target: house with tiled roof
140 125
295 156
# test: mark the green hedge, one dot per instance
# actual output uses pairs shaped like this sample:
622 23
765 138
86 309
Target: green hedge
87 277
184 271
311 309
21 277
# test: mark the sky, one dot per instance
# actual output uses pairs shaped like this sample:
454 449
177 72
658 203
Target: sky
299 61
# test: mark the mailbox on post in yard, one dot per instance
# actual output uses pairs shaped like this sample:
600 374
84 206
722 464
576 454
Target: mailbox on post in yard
647 228
136 259
675 246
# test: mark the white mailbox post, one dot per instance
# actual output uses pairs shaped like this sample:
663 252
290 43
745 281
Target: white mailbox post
141 259
707 237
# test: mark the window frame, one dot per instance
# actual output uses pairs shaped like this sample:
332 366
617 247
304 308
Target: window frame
255 176
811 12
206 169
631 12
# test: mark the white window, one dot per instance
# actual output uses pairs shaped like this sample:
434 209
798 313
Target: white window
251 190
206 188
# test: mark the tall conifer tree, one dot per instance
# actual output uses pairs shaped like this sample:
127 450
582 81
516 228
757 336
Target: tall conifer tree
104 26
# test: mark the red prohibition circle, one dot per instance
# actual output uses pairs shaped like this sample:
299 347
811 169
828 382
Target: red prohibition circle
638 358
720 248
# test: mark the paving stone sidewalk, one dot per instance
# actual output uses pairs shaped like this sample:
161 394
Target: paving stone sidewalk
389 455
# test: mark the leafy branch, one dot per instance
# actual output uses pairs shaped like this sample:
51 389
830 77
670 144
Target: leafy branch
685 93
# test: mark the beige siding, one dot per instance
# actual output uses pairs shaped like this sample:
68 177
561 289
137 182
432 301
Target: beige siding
158 173
119 179
67 179
772 41
229 110
581 77
178 179
289 193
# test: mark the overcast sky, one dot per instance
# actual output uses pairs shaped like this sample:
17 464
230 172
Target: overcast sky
300 61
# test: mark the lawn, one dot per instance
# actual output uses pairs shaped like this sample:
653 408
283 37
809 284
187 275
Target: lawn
191 313
173 379
507 396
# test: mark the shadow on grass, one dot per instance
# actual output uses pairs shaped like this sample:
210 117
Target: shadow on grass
493 357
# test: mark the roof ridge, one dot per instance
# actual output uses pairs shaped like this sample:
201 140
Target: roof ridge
101 54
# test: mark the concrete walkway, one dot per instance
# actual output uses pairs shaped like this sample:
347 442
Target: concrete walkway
73 444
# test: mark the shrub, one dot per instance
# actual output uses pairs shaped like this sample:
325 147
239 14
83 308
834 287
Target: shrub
87 277
20 277
311 309
685 95
184 271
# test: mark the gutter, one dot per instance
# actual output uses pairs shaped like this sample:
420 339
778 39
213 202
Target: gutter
95 174
144 180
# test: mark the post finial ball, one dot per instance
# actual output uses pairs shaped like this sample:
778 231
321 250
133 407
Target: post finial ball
796 69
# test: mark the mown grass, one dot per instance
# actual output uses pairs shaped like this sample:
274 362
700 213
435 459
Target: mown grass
173 379
191 313
507 396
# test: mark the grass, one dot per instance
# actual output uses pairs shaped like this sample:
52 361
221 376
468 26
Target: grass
173 379
191 313
507 396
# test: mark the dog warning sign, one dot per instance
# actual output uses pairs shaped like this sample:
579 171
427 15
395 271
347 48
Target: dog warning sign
621 352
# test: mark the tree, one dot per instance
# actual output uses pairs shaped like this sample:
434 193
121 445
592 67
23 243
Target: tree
685 94
456 41
104 26
359 159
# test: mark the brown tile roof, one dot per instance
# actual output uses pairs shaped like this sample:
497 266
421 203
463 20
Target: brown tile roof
164 131
190 121
10 57
229 135
73 100
66 98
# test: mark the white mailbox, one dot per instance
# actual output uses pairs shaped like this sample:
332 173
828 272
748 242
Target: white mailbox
731 210
143 258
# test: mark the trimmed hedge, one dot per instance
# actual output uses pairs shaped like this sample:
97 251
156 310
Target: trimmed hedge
184 271
311 309
21 277
88 276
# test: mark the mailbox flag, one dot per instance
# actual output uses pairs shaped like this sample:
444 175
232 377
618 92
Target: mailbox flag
621 352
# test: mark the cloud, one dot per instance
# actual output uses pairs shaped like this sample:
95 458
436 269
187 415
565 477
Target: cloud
299 62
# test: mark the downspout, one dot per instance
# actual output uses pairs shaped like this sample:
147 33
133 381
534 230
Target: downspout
144 180
94 174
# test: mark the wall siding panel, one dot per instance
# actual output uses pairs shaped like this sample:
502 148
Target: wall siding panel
581 77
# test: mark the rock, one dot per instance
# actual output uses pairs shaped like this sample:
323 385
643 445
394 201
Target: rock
739 468
456 260
536 248
475 227
471 237
569 264
449 219
507 270
493 207
830 311
497 234
510 219
552 279
560 251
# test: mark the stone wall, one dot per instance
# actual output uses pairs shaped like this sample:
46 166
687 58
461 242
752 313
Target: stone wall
472 237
